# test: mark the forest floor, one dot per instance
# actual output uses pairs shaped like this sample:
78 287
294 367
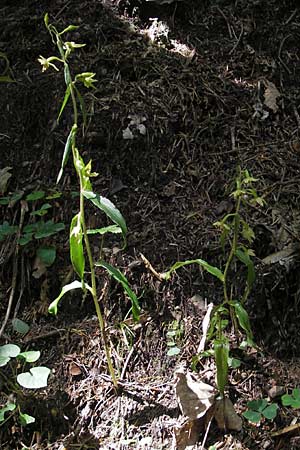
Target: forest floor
187 93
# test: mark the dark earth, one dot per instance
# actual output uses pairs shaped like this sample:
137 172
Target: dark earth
211 86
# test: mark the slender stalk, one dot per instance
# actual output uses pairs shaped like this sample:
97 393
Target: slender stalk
86 239
233 248
94 291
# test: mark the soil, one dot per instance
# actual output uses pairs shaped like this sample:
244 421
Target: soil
186 93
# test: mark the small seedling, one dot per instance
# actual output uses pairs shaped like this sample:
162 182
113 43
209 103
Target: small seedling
292 400
36 378
260 409
237 234
173 335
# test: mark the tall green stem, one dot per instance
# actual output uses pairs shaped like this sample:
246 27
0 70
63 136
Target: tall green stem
233 247
87 244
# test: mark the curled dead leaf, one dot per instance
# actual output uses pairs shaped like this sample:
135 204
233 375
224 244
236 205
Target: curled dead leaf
271 94
188 434
225 415
194 397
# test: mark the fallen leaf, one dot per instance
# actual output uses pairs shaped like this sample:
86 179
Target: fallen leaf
4 177
271 95
39 268
225 415
194 397
205 327
276 391
127 134
188 434
74 370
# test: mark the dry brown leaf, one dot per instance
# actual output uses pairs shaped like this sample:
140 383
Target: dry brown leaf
188 434
74 370
271 95
4 177
194 397
38 268
225 415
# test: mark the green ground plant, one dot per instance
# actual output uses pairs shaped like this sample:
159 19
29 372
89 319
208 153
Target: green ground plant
13 380
174 337
292 399
259 410
236 237
80 249
37 229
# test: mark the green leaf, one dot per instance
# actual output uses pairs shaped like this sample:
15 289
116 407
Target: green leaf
69 28
76 246
110 229
171 333
247 232
47 255
20 326
67 74
109 209
53 195
211 269
243 255
35 195
7 230
221 350
9 407
234 363
252 416
42 211
244 322
68 287
6 79
65 101
67 149
4 200
26 238
82 106
118 276
30 356
257 405
270 412
48 228
25 419
46 20
292 400
173 351
9 350
4 360
36 378
12 198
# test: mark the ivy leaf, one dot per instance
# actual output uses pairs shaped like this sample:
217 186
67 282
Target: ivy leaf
36 378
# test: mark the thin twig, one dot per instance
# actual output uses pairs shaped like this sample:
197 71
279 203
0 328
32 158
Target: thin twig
15 267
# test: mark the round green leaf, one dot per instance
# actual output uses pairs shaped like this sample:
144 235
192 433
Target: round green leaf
7 408
252 416
47 255
9 350
25 419
36 195
34 379
19 326
173 351
31 356
270 411
234 363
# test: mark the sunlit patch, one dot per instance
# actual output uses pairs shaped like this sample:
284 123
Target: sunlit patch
158 33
